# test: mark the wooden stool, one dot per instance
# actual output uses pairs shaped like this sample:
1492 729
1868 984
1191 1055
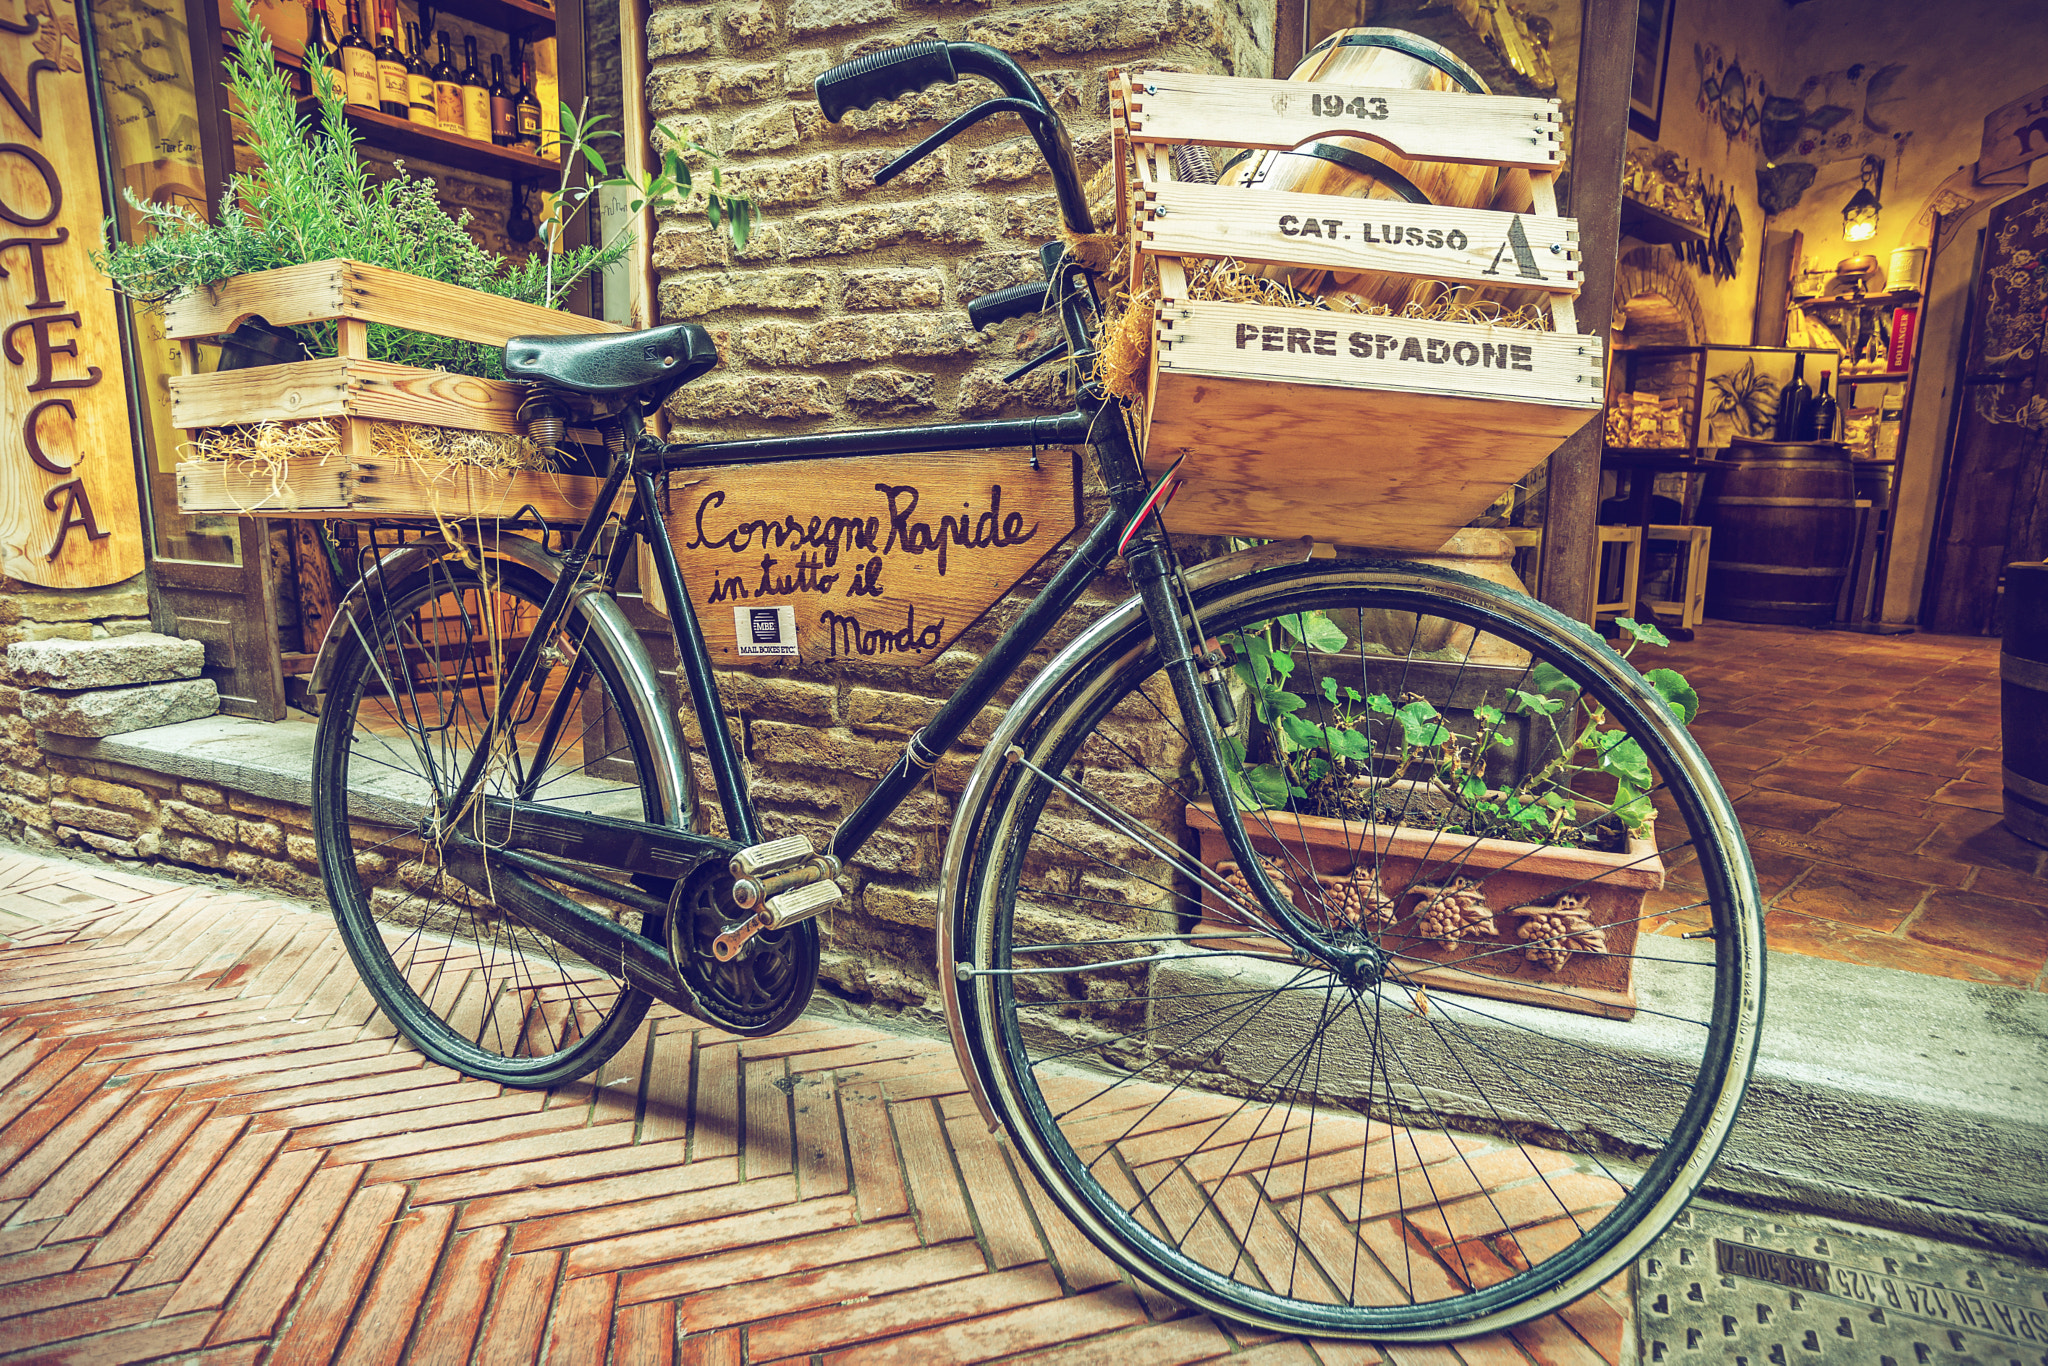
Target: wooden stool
1689 602
1630 539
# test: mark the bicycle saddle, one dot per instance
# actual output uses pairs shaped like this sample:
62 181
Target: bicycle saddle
647 365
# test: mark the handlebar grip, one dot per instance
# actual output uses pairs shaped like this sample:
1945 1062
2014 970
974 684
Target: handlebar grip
879 76
1006 304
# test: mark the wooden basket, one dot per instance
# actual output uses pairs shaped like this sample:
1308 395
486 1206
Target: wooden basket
359 392
1379 431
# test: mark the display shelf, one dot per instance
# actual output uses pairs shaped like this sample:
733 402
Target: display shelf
1889 377
1655 226
402 137
1890 298
507 16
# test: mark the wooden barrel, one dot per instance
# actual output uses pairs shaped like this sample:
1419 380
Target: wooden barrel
1362 169
2023 700
1784 519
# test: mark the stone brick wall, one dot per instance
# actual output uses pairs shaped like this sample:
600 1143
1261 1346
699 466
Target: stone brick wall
846 309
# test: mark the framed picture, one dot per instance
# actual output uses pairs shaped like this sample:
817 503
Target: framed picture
1652 66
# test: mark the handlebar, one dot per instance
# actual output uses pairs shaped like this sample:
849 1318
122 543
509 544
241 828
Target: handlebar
866 81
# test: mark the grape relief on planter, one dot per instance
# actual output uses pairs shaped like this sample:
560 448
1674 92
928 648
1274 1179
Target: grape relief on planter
1328 749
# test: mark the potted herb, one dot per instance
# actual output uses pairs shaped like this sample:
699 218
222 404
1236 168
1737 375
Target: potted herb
395 402
1514 838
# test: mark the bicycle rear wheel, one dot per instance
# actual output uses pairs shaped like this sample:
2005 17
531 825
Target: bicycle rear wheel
1486 1085
412 688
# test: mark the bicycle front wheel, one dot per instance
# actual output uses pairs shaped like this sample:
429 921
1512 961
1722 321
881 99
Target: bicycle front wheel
1501 1065
411 691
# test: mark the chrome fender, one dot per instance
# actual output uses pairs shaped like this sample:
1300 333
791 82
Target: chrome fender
598 612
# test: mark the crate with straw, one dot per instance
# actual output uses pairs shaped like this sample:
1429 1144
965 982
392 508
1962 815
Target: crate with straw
346 436
1366 428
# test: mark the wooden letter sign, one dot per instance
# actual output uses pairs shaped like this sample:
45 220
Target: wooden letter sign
68 516
885 559
2015 134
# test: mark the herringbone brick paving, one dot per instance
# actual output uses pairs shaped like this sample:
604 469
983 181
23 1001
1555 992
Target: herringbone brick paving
213 1148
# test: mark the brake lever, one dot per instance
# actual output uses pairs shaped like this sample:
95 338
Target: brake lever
986 109
1053 352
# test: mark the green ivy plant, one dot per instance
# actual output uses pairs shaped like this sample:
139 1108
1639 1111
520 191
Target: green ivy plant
1315 764
312 199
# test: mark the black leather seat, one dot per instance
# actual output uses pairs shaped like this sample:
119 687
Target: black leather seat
647 365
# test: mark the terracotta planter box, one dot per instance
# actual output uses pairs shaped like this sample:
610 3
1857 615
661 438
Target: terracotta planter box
1519 881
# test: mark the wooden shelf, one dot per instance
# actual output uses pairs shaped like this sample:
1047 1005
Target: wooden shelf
403 138
1645 224
507 16
1886 377
1888 299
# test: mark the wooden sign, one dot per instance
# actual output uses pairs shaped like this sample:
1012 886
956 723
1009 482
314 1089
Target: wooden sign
68 507
2015 134
1439 125
1476 246
884 559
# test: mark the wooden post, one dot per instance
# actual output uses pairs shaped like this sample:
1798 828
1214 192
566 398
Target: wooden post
1571 552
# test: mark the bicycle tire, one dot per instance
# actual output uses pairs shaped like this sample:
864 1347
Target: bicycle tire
469 987
1476 1161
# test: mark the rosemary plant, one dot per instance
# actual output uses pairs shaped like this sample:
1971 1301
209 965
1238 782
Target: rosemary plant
312 199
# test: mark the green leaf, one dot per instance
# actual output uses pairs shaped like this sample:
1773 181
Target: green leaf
590 154
1330 689
1419 725
1381 703
1268 783
1301 733
1348 744
1643 631
1676 692
742 224
1545 679
1624 758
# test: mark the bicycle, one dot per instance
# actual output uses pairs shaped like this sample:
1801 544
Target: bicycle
1240 1084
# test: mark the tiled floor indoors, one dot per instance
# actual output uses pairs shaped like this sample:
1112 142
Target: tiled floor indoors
212 1149
1866 772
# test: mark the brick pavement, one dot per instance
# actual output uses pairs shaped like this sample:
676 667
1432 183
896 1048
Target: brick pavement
212 1148
1866 773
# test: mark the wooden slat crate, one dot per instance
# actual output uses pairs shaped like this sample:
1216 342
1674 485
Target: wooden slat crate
359 392
1380 431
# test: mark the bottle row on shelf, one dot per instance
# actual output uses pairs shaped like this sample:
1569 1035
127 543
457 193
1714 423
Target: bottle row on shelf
400 81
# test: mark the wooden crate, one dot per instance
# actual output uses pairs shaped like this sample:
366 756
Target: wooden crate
1379 431
358 392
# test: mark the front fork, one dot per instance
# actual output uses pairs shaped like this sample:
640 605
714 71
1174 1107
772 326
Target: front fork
1153 573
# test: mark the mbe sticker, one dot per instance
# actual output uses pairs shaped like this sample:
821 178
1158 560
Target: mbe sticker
765 630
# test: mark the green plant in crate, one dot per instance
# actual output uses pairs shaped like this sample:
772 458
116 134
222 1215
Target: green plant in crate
1396 758
310 198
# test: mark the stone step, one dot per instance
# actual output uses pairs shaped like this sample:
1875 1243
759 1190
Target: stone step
118 661
113 711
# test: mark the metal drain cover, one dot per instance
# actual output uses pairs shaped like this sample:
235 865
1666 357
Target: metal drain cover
1749 1290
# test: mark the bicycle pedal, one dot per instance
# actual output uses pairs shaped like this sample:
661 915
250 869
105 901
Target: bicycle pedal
757 859
800 903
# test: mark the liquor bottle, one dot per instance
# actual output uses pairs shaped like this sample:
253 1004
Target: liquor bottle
1818 422
358 63
547 88
504 125
447 90
393 95
321 45
476 96
1792 402
419 81
526 110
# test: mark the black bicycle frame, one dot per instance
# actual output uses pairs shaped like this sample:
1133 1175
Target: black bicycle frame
1097 421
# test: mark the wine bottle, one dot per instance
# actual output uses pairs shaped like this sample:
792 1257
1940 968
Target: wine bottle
476 96
419 81
1818 422
526 109
1792 402
393 95
358 63
504 126
321 46
447 90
